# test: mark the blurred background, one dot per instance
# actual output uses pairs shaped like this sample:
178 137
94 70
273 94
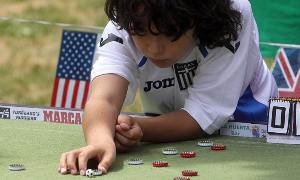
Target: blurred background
29 49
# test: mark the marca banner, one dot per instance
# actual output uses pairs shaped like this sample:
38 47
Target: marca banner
45 114
244 130
75 116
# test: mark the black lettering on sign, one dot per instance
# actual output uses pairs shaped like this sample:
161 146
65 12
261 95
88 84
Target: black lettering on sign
4 113
280 118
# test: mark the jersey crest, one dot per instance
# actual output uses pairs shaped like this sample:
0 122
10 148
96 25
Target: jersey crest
184 73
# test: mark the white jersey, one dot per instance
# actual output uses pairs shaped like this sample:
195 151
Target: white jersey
212 85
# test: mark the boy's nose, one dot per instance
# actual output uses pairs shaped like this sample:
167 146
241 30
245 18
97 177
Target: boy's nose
155 47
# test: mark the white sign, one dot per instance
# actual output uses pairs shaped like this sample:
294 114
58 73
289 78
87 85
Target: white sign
46 114
284 121
244 130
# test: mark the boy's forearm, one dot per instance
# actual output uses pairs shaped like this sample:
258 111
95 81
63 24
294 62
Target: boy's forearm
174 126
99 124
103 107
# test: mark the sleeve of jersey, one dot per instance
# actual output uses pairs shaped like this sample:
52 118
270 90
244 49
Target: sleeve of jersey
219 79
113 56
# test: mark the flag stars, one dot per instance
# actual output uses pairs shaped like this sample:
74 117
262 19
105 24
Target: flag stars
76 55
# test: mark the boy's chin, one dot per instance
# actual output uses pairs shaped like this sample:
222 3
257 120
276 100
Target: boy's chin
163 64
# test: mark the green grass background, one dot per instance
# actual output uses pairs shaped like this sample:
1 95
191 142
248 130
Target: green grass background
29 52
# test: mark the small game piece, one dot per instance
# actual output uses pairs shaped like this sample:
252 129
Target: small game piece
16 167
189 173
97 172
188 154
218 147
160 164
169 151
89 173
205 143
136 161
181 178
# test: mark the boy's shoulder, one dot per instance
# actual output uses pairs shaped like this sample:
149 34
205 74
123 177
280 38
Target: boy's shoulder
114 28
243 6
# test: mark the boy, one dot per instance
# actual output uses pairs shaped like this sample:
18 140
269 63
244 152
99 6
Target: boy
197 63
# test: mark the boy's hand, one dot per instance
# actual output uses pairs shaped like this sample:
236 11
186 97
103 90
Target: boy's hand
75 161
128 133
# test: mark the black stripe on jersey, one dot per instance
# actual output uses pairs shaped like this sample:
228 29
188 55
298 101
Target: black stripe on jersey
203 51
231 48
142 62
111 37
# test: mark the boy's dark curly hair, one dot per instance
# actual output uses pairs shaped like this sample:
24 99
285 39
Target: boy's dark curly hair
215 21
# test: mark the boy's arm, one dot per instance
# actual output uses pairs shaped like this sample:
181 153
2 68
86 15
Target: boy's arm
174 126
100 115
103 107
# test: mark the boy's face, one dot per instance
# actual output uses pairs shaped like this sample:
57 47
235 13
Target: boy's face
161 50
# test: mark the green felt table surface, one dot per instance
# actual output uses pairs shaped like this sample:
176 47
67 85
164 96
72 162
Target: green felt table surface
38 146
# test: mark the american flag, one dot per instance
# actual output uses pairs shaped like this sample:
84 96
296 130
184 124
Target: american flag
286 72
72 79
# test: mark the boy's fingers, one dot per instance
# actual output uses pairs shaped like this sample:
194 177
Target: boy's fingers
125 119
121 148
63 164
82 162
105 162
118 128
124 140
124 126
71 163
133 134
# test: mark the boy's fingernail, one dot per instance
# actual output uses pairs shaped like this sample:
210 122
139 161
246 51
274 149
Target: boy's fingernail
63 170
73 171
82 173
102 169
